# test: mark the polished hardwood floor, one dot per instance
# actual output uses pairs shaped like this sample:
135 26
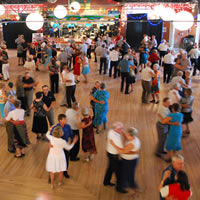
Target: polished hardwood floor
26 177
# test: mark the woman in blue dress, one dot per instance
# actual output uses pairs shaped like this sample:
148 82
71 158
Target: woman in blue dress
48 55
100 97
143 55
175 132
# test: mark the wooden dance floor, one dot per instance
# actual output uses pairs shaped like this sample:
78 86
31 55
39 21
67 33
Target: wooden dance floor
26 177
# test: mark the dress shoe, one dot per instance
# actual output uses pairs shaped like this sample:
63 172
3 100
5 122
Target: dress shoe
66 175
109 184
120 190
75 159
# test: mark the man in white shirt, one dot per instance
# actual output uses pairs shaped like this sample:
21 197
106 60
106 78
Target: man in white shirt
174 94
146 77
162 129
113 154
89 43
163 50
168 66
179 80
114 57
69 80
84 47
194 56
72 115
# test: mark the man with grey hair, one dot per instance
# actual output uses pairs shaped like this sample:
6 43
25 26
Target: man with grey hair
146 77
113 155
72 116
16 117
9 106
168 175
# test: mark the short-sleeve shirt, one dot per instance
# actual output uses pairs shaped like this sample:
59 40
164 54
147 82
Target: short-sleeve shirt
163 112
67 132
48 99
146 74
9 107
116 137
17 114
28 81
188 100
69 76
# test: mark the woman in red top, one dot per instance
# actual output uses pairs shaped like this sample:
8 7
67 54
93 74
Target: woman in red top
154 58
77 66
179 190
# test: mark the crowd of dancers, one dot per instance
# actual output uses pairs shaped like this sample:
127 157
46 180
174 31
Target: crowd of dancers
116 58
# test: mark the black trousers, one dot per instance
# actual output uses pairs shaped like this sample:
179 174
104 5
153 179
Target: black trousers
69 61
24 57
116 71
103 61
194 63
168 69
128 168
162 54
54 83
23 102
89 50
125 75
113 167
67 157
75 150
70 92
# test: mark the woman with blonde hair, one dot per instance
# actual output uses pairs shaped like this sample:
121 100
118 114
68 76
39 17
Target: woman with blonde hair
56 161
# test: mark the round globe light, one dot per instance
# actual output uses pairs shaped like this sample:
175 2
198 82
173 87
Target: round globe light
34 21
152 15
183 20
159 10
52 1
60 11
168 14
2 10
74 6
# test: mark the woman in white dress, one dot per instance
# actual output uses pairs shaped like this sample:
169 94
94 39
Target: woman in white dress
56 161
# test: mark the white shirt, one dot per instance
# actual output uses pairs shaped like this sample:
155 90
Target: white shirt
177 79
29 65
163 112
146 74
173 97
89 41
84 48
194 53
168 59
17 114
136 146
71 118
116 137
114 55
69 76
163 47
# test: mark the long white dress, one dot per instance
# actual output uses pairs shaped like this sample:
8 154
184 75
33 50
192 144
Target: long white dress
56 161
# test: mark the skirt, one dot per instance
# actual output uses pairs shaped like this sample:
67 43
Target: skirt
39 125
85 70
131 79
19 55
187 118
56 163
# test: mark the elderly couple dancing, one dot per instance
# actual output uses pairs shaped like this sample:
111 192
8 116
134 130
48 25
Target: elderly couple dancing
123 154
